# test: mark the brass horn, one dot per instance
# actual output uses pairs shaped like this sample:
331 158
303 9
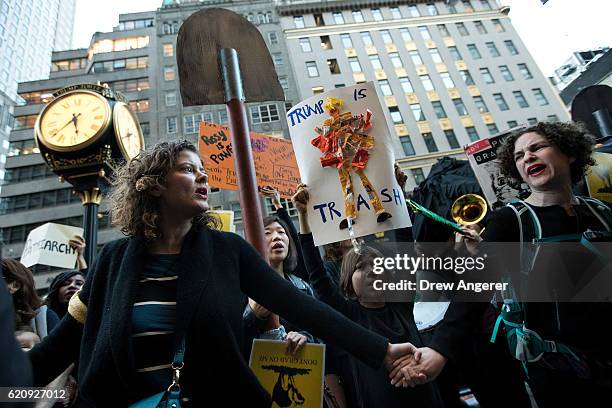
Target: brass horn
469 209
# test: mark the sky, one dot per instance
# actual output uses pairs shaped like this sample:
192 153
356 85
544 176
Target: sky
551 32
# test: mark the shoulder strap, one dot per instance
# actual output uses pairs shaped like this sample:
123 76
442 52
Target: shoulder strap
530 229
599 209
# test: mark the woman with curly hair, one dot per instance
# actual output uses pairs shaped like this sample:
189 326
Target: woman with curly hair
168 300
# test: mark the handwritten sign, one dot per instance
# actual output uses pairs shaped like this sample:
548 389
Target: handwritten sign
274 159
48 245
291 380
326 209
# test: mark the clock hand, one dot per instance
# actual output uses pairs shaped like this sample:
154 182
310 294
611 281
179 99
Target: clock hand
63 127
75 119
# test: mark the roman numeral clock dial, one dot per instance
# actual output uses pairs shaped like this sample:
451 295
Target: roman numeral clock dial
74 119
127 131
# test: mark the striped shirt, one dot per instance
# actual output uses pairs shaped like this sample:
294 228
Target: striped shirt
153 321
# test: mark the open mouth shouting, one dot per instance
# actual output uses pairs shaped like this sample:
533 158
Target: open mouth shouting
535 170
278 246
202 192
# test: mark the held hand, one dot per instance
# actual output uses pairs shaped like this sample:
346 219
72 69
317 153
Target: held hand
259 311
401 351
400 176
300 198
430 365
273 194
78 244
470 239
295 341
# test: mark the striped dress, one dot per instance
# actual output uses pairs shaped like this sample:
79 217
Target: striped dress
153 321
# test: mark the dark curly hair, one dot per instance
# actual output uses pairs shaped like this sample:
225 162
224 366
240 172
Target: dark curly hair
132 208
571 138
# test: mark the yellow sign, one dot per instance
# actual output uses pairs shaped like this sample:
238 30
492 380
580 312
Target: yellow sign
227 219
599 178
291 380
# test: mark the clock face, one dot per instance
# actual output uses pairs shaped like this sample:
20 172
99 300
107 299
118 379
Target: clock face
73 119
127 130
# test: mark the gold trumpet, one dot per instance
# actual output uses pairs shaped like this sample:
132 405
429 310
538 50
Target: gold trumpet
466 210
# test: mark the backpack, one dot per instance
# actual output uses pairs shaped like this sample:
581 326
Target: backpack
524 344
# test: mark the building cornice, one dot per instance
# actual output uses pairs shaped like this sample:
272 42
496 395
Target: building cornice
289 7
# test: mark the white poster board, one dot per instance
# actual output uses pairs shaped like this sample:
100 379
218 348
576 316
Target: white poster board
482 156
48 245
326 206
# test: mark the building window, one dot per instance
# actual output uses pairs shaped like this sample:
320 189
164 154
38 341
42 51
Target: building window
467 6
298 21
552 118
417 112
474 51
272 37
395 12
480 27
277 59
355 65
264 113
396 116
454 52
358 16
462 29
386 36
284 82
413 11
366 38
396 60
223 118
505 71
305 45
485 4
480 104
532 121
418 175
498 26
472 134
460 107
405 33
443 30
430 142
424 31
492 49
525 71
171 125
467 77
407 146
415 57
338 17
512 124
435 55
511 48
426 81
334 68
311 67
25 122
540 98
170 98
377 14
169 73
191 123
168 50
140 105
406 85
375 61
346 41
385 87
317 90
447 80
439 109
486 76
492 128
501 102
452 139
431 9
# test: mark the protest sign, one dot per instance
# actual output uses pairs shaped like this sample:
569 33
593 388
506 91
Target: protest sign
227 219
291 380
482 156
274 159
48 245
599 177
366 151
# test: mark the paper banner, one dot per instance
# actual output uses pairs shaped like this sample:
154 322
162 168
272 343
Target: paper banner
599 178
227 219
48 245
273 157
326 207
483 160
291 380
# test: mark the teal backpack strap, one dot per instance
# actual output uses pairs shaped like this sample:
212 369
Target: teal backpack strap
600 210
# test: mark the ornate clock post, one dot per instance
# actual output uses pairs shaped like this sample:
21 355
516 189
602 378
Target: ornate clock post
83 134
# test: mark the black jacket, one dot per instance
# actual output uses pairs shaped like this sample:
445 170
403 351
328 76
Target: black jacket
216 272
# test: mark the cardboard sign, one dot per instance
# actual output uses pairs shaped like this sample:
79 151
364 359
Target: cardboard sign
227 219
48 245
599 178
274 159
326 207
291 380
482 155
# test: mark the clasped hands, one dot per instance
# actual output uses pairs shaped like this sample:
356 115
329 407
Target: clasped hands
409 366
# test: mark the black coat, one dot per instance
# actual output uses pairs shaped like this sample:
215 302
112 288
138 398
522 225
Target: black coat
216 272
